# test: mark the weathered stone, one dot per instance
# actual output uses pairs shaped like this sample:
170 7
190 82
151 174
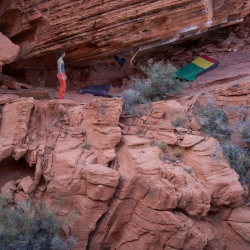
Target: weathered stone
240 222
98 174
19 151
168 137
27 185
67 102
8 190
138 22
191 140
132 140
8 50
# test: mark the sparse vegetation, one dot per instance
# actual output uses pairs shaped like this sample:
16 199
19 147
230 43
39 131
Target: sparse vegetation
245 131
179 121
214 122
86 145
162 145
160 80
38 97
178 152
239 159
28 227
188 170
169 158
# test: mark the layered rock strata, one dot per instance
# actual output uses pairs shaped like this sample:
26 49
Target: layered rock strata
90 30
126 188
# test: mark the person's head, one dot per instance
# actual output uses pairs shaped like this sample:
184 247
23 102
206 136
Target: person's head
61 53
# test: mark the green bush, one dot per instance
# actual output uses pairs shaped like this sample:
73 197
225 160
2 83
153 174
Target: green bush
30 228
160 80
214 122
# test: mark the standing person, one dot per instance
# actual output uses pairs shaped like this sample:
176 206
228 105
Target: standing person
61 72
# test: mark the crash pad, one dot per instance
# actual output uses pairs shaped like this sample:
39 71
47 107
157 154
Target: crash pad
101 90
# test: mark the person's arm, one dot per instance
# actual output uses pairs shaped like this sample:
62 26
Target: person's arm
59 66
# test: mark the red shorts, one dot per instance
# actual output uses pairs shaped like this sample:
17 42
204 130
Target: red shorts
59 77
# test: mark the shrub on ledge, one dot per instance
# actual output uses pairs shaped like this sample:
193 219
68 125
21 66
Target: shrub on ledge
30 228
160 81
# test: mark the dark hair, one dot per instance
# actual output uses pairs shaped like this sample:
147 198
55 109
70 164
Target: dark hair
59 54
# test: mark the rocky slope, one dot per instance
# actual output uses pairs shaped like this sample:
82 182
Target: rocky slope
91 30
132 183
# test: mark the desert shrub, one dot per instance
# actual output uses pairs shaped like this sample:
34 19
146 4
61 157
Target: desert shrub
162 145
214 122
30 228
160 80
179 121
188 170
245 131
178 152
238 157
87 145
131 98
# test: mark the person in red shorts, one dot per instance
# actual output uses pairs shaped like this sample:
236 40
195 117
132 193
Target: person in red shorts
61 73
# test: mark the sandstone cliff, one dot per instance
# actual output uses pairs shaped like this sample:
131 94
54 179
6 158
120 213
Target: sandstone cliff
90 30
125 189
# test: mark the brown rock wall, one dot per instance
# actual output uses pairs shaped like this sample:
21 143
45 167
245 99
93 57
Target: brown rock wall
90 30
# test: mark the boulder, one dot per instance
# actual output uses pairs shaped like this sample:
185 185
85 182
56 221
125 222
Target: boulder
27 184
191 140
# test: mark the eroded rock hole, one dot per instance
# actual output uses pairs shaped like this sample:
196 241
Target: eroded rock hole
10 169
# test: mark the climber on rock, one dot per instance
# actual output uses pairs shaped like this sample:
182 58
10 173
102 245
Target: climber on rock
61 73
124 63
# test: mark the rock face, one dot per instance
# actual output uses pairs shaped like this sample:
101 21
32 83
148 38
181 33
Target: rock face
90 30
131 183
8 51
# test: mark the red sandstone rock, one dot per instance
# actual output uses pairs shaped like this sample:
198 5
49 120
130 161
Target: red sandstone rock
156 23
191 140
240 222
67 102
127 197
8 50
131 140
27 185
8 190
